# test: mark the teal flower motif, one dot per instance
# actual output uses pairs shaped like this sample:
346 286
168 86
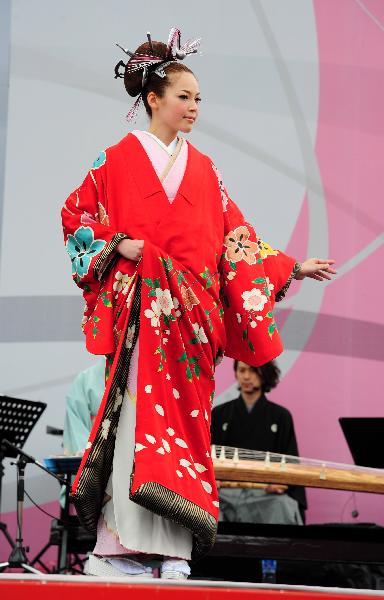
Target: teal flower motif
82 247
100 160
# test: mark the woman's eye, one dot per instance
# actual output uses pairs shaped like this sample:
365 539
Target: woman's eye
185 97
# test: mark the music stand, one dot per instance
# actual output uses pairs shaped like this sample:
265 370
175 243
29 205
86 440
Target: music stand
17 419
364 436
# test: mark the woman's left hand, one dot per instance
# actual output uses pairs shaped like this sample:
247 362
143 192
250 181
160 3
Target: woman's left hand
316 268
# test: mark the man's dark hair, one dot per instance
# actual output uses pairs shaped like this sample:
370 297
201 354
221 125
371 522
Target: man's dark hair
269 374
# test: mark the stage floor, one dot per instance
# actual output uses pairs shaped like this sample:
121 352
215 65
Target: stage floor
62 587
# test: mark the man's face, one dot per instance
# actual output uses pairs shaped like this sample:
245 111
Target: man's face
248 380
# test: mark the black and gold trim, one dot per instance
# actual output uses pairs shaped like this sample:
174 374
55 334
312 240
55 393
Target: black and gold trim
281 293
168 504
89 495
107 256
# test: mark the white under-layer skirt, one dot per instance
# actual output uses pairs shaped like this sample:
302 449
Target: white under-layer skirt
125 527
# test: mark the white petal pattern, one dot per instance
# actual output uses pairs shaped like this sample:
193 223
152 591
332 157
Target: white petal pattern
105 425
184 462
207 486
170 431
139 447
194 413
179 473
166 445
160 450
118 400
180 443
200 468
191 472
150 438
159 409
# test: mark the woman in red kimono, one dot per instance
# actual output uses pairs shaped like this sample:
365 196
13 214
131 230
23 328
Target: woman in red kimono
173 278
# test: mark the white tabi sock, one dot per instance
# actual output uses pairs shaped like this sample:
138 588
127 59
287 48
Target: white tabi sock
129 566
175 565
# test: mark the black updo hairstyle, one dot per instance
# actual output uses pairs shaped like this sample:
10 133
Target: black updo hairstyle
154 83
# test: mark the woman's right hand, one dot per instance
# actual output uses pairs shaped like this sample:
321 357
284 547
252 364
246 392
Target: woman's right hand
131 249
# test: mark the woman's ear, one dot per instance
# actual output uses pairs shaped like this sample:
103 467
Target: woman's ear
152 100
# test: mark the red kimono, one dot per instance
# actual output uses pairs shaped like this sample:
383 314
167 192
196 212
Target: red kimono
205 286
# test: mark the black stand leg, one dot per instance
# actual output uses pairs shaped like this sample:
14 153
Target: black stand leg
37 558
63 559
18 557
3 526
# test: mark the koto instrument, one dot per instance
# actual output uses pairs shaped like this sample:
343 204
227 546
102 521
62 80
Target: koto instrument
252 469
247 467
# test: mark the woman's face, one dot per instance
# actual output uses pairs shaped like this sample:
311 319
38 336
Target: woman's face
179 107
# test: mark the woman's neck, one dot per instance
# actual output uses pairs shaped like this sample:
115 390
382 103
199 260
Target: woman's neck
163 133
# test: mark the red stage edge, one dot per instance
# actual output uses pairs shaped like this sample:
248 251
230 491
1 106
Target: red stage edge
19 587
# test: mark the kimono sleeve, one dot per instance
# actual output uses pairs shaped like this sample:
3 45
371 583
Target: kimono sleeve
280 269
244 244
89 239
253 276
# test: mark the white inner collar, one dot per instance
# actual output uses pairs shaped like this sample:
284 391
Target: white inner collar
170 148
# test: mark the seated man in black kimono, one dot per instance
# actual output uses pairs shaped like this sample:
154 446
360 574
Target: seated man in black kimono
252 421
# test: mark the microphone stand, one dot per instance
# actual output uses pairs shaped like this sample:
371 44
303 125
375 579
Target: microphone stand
18 557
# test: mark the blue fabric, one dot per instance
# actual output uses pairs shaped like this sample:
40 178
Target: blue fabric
82 403
82 247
